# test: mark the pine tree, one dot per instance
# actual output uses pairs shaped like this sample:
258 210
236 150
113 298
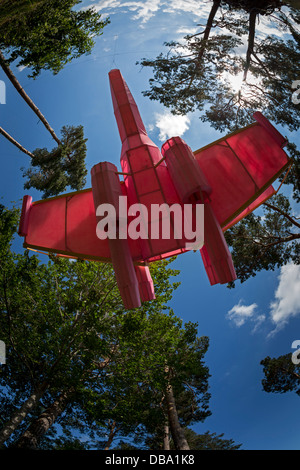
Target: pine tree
47 34
281 374
193 74
64 166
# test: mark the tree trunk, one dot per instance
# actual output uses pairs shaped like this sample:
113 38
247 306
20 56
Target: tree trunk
111 436
207 31
166 441
251 37
29 405
178 436
39 427
212 14
14 142
24 95
206 35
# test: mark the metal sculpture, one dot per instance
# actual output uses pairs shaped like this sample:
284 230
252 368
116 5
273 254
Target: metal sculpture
229 178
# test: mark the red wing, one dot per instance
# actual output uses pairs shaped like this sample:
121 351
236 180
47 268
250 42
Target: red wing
241 167
269 192
65 225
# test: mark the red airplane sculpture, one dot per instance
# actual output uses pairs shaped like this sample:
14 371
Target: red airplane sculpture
230 178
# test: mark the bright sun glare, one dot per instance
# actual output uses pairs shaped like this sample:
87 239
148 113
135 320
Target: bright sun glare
236 81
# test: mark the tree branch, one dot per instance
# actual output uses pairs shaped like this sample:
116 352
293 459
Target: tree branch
251 37
14 142
25 97
274 208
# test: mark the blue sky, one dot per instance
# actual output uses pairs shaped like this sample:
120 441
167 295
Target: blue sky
256 319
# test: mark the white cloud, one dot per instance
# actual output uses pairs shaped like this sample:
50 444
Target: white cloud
286 303
22 67
239 314
195 15
186 31
258 320
287 296
189 6
171 125
144 9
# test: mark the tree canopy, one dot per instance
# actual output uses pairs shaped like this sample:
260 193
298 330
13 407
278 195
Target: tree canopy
281 374
200 72
64 166
47 34
75 357
265 242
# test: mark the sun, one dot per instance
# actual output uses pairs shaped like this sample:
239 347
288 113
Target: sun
237 83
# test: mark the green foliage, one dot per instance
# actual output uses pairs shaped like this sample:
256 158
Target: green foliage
264 6
9 220
294 3
62 167
265 242
209 441
193 74
206 441
64 326
136 378
63 443
52 319
47 34
185 82
293 177
281 375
